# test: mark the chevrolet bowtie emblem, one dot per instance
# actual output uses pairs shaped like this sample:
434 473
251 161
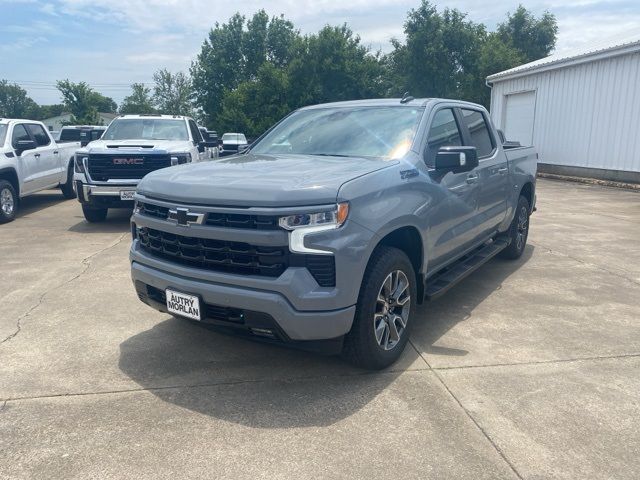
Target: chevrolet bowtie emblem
184 217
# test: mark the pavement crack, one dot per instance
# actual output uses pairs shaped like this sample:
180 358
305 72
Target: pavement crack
86 264
589 264
543 362
470 416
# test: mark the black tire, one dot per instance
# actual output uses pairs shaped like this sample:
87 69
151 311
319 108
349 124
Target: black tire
67 188
518 231
8 202
94 215
361 345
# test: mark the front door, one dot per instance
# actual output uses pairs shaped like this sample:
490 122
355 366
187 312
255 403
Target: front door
48 164
455 229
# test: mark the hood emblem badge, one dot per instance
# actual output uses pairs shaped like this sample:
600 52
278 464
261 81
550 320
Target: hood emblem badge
184 218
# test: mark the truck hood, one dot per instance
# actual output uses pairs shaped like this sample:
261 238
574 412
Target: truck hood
170 146
255 180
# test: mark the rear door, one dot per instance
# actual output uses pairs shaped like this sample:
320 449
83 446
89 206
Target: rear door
492 170
48 160
457 229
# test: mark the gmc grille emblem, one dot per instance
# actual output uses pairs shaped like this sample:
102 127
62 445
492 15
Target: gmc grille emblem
184 217
128 161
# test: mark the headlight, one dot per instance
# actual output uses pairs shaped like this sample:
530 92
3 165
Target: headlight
332 218
79 162
180 158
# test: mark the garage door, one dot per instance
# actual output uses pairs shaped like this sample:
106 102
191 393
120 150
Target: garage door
519 115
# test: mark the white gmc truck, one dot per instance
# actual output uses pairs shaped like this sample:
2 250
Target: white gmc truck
108 170
30 161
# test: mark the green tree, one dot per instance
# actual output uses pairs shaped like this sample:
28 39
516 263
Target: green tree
234 52
172 93
84 103
140 101
48 111
533 37
14 102
495 56
440 55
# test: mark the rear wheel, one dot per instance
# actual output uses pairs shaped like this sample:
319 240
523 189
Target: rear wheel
94 215
8 202
67 188
518 231
382 324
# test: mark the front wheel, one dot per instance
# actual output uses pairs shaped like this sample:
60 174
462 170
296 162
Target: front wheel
8 202
94 215
518 231
382 323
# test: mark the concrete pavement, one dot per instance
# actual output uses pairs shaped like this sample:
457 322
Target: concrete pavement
527 369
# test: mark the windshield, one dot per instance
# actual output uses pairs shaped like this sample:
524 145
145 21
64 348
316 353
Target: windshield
70 135
3 133
237 137
146 129
379 132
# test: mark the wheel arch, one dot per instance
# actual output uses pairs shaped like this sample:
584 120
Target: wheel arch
527 191
11 176
408 240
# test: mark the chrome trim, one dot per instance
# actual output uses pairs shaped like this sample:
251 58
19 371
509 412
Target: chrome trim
104 191
297 236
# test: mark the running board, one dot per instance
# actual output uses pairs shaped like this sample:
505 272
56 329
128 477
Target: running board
448 277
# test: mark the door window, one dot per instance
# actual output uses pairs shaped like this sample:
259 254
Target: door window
479 131
195 132
39 135
444 132
19 134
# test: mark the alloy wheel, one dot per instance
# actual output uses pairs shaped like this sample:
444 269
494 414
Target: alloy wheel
392 310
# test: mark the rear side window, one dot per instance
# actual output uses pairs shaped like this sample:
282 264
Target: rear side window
443 132
38 134
19 133
479 131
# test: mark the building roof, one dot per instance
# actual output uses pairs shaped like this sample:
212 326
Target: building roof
621 44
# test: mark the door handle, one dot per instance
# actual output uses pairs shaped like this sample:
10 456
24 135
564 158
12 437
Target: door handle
55 152
37 155
472 178
503 170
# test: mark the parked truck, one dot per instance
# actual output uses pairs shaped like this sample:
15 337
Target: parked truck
334 224
31 161
108 170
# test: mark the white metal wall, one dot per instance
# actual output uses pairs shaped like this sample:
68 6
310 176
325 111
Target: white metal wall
586 115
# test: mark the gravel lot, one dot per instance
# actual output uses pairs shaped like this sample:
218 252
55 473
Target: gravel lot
524 370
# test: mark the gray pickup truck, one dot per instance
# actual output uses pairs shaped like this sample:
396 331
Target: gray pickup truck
335 224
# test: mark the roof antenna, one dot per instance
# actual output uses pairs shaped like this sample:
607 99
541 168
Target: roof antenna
406 98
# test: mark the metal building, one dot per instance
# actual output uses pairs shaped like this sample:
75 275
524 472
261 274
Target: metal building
581 109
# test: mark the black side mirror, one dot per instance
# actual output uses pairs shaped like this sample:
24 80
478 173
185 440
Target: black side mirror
456 159
25 145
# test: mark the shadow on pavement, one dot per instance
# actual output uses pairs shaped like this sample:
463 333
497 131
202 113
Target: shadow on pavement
39 201
262 385
118 221
436 318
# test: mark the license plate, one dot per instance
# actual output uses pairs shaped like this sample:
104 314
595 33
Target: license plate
183 305
127 194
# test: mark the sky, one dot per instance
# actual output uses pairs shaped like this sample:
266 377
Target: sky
113 43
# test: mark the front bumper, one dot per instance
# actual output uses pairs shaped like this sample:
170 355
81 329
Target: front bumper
259 310
104 196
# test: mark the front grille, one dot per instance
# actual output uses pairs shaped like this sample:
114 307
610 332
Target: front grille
234 257
107 167
219 255
223 220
